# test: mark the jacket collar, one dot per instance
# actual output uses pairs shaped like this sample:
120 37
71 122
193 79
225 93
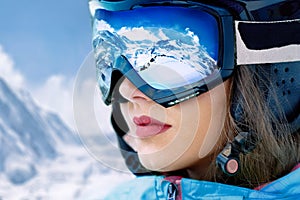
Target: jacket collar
287 187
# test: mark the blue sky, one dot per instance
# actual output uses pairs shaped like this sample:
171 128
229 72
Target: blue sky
45 37
42 45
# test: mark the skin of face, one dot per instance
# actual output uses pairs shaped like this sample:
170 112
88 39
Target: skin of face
195 130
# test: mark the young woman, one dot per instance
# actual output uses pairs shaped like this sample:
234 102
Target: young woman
205 96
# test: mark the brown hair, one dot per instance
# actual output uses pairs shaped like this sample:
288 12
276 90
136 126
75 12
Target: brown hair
278 150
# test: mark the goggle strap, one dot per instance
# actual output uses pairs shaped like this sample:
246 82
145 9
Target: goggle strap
267 42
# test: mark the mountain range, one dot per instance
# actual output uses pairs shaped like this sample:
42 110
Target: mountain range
42 158
28 134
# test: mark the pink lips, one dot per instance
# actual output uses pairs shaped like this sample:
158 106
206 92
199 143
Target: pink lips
147 126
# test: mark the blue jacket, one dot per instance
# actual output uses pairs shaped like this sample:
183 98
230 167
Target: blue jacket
156 187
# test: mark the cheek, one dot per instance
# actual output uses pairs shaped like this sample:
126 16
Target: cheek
214 121
199 123
167 152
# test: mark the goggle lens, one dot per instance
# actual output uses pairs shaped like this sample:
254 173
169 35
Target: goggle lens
167 46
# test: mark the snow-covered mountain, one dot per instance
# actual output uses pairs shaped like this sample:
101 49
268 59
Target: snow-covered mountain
28 135
41 158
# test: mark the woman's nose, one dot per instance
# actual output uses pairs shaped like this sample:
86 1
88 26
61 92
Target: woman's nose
131 93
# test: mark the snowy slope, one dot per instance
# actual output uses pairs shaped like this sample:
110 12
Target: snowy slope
40 158
27 134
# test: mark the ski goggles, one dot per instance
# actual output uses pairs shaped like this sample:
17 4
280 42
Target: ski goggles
170 52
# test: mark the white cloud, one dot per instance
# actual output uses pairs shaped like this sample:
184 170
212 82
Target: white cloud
7 71
56 95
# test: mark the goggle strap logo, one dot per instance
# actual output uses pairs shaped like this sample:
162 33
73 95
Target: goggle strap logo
267 42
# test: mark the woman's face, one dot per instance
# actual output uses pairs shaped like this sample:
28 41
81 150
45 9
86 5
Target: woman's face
177 137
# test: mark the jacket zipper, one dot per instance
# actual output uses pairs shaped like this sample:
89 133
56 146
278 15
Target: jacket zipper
172 192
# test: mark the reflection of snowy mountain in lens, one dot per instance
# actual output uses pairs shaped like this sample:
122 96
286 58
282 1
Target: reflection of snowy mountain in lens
40 157
162 46
182 47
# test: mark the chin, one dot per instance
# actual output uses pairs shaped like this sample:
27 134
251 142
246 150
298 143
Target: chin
160 164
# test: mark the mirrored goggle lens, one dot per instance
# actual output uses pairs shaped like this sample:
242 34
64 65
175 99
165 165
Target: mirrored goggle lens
167 46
